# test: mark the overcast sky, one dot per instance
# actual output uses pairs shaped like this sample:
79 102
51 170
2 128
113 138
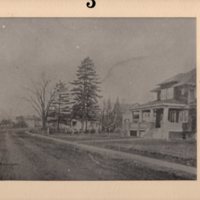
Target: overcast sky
131 55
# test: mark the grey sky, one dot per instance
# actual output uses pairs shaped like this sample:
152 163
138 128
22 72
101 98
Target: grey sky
131 54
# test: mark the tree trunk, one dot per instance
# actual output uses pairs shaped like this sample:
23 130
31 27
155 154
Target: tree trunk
58 124
86 123
58 120
43 124
82 125
44 120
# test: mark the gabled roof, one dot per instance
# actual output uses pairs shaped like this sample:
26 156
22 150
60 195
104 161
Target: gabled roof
127 107
188 78
182 78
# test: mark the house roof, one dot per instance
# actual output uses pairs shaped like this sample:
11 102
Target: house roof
127 107
188 78
32 117
156 89
182 78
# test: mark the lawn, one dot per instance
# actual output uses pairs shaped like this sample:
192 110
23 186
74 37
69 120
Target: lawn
179 151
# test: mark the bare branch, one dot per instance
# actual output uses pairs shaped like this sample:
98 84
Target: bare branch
40 97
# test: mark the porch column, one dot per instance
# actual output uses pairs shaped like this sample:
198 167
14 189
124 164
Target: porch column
165 123
140 120
140 115
165 115
151 116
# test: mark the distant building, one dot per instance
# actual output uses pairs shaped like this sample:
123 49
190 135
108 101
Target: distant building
76 125
171 115
32 121
6 123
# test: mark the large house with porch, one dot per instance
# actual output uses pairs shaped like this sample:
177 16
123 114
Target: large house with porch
171 115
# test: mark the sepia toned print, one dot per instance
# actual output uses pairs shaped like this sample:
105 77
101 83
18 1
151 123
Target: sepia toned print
98 99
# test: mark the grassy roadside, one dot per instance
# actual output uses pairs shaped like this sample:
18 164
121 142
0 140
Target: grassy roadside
107 167
179 151
43 159
86 137
183 152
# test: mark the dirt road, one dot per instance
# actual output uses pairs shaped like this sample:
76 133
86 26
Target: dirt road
23 157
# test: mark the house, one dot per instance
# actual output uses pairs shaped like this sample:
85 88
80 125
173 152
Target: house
171 115
127 116
32 121
92 126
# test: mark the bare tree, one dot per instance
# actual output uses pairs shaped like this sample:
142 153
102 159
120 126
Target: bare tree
41 96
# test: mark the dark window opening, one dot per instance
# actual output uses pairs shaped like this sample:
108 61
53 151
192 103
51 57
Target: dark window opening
133 133
159 116
135 116
74 123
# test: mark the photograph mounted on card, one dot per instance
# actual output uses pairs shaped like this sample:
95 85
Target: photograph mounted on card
66 114
99 97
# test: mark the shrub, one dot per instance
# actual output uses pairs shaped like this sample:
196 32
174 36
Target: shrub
92 131
118 131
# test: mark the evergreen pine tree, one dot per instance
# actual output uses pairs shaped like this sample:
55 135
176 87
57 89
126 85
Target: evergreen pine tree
85 93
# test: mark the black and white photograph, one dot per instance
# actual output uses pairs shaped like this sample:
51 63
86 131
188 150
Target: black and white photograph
98 99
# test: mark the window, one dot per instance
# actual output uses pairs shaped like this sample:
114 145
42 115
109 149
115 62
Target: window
167 93
163 94
192 95
133 133
170 93
126 121
183 92
135 115
146 115
158 95
183 116
173 115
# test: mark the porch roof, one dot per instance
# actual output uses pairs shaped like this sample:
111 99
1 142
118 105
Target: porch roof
160 104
